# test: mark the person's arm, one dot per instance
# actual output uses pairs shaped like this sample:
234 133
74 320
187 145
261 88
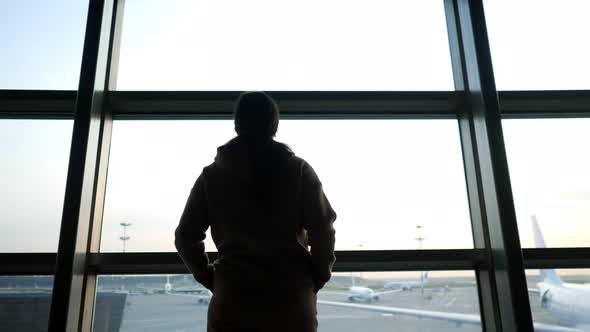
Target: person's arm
190 234
318 220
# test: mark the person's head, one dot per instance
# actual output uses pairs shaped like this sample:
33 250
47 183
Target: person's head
256 116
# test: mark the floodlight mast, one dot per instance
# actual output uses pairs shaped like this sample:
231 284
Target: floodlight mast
420 238
125 237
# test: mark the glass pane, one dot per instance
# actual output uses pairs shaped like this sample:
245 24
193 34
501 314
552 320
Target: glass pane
42 44
150 176
24 302
33 168
539 45
550 183
391 182
178 303
285 45
560 297
400 179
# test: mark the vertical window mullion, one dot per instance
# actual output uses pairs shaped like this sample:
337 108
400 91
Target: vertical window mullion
97 217
67 304
502 284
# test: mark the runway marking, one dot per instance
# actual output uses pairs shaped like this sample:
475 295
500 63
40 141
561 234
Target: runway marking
451 302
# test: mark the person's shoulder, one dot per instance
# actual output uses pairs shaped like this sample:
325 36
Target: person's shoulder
306 169
304 163
208 168
297 161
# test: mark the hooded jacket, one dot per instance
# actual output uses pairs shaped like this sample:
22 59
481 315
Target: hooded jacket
267 212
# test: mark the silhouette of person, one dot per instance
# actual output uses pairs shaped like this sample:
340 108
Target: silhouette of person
265 207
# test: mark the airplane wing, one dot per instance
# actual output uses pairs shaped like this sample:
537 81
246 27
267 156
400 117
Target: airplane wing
184 294
199 298
388 292
534 290
203 294
447 316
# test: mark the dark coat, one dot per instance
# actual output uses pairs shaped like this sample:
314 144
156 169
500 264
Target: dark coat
265 207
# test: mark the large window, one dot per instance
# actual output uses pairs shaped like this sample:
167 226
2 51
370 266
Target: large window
549 174
41 43
415 170
377 301
33 171
379 176
284 45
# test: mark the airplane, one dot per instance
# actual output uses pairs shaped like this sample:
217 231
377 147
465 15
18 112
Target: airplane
202 295
408 285
167 285
570 303
364 294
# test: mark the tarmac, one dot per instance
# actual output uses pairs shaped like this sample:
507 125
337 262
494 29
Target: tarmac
174 313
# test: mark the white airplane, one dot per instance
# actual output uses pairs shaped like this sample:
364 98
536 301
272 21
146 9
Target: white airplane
167 285
202 295
570 303
408 285
364 294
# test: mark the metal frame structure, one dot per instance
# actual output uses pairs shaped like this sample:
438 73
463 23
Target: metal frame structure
497 257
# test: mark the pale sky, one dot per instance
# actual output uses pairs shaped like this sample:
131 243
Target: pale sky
376 182
285 45
41 43
539 44
339 45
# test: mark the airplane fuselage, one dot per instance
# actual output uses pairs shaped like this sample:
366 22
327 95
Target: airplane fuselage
363 294
568 302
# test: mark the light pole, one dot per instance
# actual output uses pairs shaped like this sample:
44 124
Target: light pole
420 239
419 236
125 237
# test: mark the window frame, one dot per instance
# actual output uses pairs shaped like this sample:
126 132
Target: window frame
497 258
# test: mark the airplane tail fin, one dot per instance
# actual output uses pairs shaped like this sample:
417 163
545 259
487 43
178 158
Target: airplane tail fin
539 240
424 276
547 275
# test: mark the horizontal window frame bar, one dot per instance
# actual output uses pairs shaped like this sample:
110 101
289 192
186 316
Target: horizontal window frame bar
60 104
544 104
355 261
34 104
554 258
303 105
346 261
27 263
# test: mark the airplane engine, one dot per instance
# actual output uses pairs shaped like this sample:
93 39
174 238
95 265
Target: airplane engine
544 297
